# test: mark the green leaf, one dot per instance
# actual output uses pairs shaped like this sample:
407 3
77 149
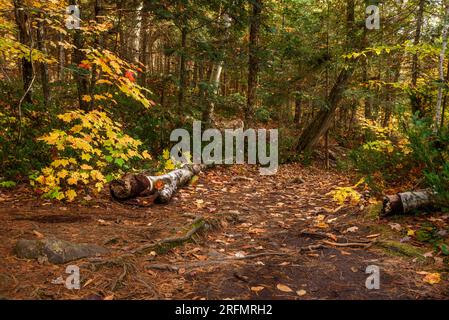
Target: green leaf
7 184
119 161
109 159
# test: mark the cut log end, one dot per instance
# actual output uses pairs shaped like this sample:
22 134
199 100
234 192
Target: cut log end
130 186
406 202
392 205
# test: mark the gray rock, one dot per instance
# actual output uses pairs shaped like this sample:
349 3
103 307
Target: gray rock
57 251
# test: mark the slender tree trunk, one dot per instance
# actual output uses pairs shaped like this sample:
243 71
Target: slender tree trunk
144 42
97 45
217 69
43 67
81 75
438 114
416 99
298 105
391 92
443 111
61 62
22 20
323 120
253 61
182 68
208 113
367 100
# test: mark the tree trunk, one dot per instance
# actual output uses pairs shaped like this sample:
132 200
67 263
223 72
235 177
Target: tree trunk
164 186
442 84
298 105
323 120
217 69
97 45
23 20
43 67
208 113
416 99
443 111
253 61
182 68
144 42
81 75
61 61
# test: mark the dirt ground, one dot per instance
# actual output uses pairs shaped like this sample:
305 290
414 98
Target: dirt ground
268 237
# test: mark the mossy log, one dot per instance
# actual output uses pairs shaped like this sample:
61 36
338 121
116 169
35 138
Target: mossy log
164 186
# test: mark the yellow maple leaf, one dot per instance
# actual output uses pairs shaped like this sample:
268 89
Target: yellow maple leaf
432 278
87 98
146 155
169 165
60 196
99 186
71 195
72 180
166 154
66 117
85 167
62 174
86 156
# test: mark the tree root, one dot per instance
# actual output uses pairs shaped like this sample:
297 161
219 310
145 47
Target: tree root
349 244
196 227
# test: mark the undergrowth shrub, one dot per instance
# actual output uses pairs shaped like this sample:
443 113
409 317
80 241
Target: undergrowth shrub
431 150
87 152
413 157
385 157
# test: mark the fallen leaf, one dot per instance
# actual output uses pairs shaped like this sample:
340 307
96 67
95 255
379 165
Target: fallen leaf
257 289
88 282
301 292
322 225
432 278
283 288
410 233
110 297
395 226
103 222
59 280
240 254
351 229
199 203
38 234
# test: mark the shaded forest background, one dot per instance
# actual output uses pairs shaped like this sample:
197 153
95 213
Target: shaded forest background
79 107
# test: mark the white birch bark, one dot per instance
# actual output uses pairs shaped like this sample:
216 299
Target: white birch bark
438 114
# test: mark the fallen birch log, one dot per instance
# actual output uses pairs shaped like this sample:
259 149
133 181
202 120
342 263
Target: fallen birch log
405 202
165 186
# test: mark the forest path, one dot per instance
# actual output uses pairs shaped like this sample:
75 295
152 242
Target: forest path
272 219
